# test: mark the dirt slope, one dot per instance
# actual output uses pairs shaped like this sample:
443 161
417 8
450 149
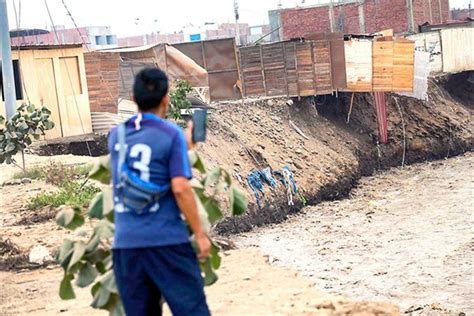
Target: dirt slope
330 156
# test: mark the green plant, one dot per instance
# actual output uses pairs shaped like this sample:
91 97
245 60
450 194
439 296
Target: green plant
72 193
178 100
17 132
36 172
86 257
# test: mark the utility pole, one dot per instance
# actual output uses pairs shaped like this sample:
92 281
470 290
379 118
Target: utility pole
332 20
361 16
7 63
237 28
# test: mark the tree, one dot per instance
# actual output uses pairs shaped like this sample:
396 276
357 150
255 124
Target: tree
17 132
86 256
178 100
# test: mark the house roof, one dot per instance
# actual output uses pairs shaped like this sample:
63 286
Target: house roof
46 46
130 49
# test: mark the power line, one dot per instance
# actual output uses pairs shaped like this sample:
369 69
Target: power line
88 50
18 26
69 77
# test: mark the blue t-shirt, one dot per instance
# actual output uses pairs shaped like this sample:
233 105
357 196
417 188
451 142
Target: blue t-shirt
157 152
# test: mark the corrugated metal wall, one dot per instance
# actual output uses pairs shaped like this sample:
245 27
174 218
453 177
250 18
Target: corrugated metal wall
458 46
219 58
430 42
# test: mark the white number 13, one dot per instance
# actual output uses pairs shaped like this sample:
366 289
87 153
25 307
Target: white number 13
144 151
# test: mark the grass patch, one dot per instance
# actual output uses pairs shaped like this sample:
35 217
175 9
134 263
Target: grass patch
70 193
55 173
34 173
71 183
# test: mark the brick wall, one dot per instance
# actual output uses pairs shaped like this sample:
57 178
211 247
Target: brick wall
379 15
439 11
102 74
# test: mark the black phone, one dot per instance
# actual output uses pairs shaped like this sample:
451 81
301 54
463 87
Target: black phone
199 125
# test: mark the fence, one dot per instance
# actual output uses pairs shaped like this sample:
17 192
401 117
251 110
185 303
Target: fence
218 57
327 64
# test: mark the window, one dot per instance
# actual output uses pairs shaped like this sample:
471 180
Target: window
111 40
101 40
17 78
70 75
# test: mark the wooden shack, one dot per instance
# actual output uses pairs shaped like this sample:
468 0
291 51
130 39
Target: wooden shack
53 76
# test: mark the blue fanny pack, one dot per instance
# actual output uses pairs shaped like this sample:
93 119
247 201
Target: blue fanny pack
135 194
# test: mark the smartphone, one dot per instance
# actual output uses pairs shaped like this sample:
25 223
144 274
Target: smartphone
199 125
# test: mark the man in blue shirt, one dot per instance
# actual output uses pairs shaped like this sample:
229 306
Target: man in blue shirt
152 254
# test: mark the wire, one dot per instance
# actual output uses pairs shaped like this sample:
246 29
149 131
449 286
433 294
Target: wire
89 50
69 76
403 129
18 24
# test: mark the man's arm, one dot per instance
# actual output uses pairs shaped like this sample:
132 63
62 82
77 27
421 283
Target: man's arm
183 193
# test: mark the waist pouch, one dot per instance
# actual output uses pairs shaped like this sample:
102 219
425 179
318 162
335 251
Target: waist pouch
139 196
136 195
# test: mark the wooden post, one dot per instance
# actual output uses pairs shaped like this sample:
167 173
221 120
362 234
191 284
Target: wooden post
286 71
263 71
296 71
312 67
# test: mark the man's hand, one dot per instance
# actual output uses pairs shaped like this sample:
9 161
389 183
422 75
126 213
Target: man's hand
204 246
188 132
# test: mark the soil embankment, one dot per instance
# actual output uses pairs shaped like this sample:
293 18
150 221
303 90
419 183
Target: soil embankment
330 156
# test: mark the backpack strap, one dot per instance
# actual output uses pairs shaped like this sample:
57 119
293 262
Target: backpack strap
122 146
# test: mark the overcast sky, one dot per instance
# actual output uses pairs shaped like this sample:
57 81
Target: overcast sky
166 16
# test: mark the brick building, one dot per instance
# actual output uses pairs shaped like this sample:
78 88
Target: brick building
94 37
462 14
403 16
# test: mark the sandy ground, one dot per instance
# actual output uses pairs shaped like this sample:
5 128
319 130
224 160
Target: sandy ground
248 284
405 236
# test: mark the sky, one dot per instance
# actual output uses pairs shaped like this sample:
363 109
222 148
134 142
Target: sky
145 16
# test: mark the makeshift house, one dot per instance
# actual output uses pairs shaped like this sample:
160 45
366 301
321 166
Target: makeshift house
53 76
110 73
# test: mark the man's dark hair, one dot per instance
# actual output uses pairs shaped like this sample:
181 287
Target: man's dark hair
149 88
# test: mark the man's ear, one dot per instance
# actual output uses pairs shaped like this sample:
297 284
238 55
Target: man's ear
165 100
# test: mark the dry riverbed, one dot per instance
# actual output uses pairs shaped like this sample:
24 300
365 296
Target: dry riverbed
404 236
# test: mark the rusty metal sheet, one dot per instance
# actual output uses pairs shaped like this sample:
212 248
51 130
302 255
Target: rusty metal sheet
217 57
382 65
224 85
322 67
220 55
338 61
193 50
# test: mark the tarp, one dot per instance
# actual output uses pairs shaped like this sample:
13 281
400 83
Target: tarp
179 66
176 64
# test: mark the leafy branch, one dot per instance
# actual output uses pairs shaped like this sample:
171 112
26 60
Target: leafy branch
178 100
86 256
17 132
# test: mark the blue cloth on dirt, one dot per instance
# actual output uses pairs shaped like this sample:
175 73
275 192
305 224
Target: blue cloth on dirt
143 275
156 152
